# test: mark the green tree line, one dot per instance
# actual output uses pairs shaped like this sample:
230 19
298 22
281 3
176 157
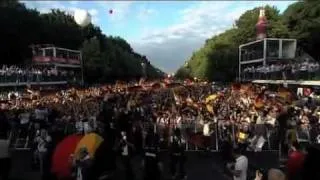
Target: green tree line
218 59
105 58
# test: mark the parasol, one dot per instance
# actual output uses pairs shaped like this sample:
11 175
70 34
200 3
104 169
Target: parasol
91 141
212 97
61 164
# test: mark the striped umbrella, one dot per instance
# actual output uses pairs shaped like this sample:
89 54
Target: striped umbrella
61 164
90 141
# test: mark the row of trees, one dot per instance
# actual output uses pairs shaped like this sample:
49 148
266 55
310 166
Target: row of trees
106 58
217 60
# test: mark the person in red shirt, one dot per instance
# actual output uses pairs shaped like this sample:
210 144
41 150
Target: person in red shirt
295 160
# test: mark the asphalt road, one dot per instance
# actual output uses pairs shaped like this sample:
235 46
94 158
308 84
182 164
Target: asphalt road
206 166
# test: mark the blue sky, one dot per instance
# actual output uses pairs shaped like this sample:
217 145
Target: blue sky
166 32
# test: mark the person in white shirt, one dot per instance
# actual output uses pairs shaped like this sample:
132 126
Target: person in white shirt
126 154
42 142
207 134
240 169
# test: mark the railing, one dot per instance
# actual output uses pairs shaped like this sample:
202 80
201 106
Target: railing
288 75
195 140
34 78
22 136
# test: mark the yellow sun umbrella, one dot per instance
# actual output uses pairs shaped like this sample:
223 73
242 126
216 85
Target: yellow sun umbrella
208 99
242 137
211 98
90 141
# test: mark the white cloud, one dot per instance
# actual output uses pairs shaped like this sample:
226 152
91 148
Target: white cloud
74 2
94 13
46 6
170 47
146 13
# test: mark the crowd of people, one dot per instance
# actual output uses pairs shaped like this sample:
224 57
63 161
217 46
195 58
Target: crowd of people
294 71
15 74
141 119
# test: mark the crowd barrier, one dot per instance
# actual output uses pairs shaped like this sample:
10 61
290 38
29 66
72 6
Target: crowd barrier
195 140
300 75
22 137
34 78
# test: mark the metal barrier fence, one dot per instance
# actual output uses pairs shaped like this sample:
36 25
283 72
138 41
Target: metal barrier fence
34 78
300 75
195 140
22 137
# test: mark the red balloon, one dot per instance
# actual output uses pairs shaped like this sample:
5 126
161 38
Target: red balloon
295 162
110 11
61 165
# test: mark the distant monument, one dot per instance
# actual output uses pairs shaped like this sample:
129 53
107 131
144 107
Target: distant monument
261 25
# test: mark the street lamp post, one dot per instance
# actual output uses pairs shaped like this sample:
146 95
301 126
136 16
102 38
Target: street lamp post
143 65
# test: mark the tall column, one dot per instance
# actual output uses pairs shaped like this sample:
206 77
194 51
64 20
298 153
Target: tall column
264 52
82 66
240 63
280 49
54 52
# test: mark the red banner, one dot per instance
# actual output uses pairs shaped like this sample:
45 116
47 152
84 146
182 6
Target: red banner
73 61
59 60
41 59
47 59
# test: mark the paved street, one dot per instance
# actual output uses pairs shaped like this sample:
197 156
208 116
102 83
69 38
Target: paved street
206 166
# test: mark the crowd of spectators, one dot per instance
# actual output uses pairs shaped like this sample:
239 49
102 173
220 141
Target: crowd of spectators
16 74
250 115
295 71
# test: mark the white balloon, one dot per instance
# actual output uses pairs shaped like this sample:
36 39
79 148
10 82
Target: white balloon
82 17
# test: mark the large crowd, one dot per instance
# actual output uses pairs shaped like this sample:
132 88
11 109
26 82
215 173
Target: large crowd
294 71
16 74
181 116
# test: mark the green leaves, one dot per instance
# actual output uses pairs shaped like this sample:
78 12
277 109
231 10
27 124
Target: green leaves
105 58
218 58
303 20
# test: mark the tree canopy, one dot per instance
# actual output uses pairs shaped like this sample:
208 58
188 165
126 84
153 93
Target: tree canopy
218 59
105 58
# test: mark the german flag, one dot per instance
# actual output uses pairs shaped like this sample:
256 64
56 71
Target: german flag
246 89
135 88
285 95
259 101
236 86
